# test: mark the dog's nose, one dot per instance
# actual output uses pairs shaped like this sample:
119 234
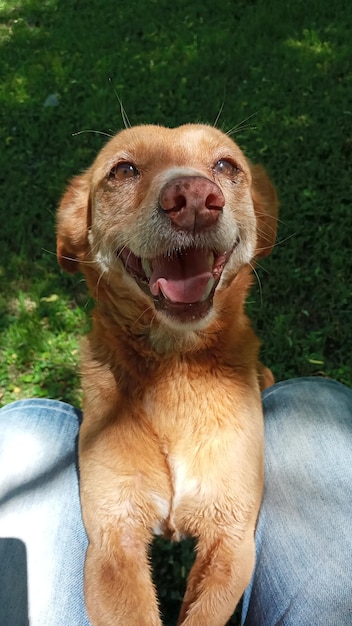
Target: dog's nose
193 203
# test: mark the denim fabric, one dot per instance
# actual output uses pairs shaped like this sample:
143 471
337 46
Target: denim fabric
303 572
42 539
303 575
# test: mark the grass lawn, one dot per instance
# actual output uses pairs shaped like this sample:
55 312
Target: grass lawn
281 72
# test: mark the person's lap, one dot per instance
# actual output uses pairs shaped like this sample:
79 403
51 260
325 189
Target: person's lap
304 547
43 540
303 574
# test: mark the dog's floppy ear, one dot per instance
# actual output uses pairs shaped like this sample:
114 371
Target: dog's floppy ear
266 210
73 221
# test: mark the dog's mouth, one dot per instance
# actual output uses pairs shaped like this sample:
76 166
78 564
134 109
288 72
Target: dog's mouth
182 283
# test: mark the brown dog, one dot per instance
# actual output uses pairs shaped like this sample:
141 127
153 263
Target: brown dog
165 226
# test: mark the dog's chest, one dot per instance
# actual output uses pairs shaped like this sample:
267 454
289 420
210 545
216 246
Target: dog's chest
166 421
194 440
181 487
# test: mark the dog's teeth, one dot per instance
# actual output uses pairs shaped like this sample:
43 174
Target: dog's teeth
147 268
211 258
209 287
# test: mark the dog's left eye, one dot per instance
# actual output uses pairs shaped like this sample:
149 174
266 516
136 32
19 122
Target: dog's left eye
225 167
123 171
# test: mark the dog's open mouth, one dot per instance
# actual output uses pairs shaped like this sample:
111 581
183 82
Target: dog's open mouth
181 283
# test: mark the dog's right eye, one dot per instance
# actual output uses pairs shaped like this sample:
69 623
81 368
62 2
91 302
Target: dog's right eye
123 171
225 167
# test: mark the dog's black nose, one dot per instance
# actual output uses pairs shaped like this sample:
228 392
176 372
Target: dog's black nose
193 203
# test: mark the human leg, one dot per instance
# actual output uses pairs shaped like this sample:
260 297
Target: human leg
303 573
42 538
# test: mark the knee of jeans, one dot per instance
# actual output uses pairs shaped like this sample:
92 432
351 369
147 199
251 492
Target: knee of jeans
35 429
313 398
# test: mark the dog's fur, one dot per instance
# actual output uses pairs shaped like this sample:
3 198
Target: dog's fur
172 434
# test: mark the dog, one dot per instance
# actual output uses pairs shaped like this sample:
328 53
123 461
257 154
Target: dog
166 226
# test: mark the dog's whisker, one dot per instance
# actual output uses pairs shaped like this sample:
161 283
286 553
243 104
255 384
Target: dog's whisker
91 130
96 290
51 252
219 114
262 268
240 129
126 121
142 314
67 258
78 261
242 125
279 242
259 283
88 300
128 245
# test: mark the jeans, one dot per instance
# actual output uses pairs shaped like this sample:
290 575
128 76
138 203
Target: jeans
303 573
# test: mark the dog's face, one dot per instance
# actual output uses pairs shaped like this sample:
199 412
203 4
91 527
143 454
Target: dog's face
170 214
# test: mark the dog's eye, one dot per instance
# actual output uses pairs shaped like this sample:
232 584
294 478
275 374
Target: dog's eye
226 168
123 171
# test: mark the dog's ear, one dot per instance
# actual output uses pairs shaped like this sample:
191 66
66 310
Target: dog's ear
72 224
266 210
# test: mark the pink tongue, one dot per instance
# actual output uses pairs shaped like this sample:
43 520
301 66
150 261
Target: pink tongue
182 278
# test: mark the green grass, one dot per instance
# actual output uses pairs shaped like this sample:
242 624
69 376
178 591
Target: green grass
285 67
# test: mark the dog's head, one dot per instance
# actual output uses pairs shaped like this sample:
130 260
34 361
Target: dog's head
169 216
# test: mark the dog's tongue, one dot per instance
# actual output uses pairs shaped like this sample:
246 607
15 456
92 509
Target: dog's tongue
183 278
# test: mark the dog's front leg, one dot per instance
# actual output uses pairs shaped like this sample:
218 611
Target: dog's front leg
220 574
118 586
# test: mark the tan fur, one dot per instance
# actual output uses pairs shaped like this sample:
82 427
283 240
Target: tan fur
172 435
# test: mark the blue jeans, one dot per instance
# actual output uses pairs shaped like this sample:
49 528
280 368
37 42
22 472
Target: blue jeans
303 574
